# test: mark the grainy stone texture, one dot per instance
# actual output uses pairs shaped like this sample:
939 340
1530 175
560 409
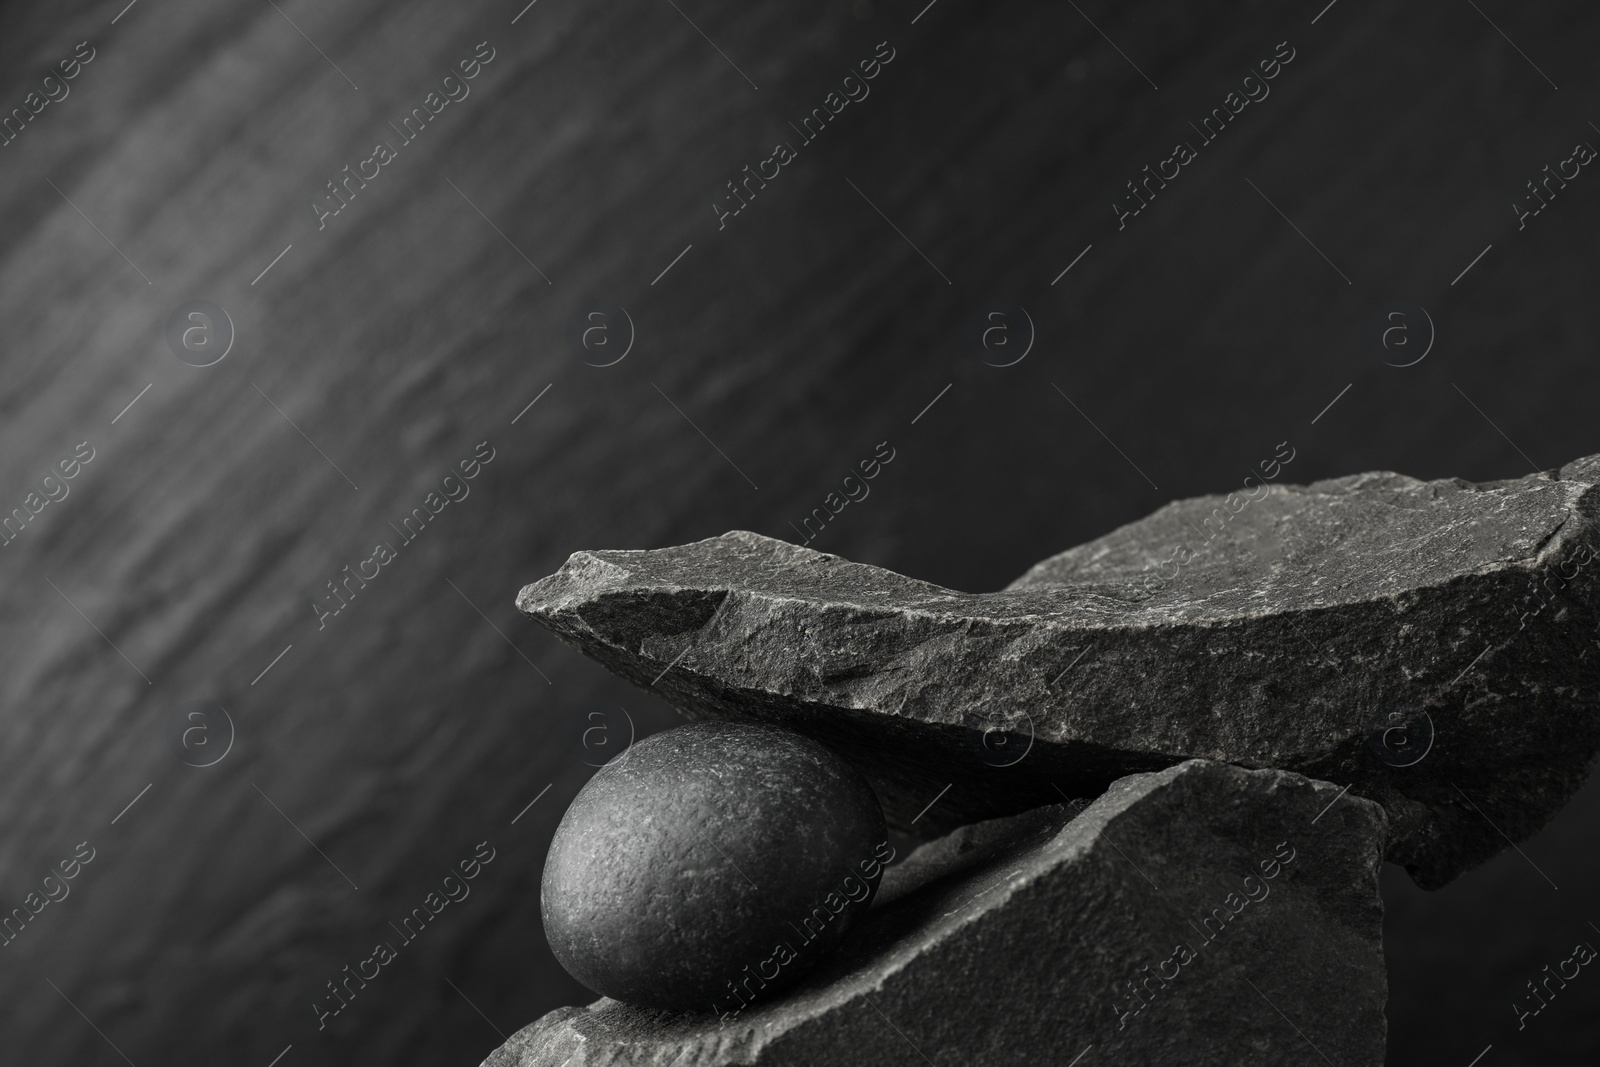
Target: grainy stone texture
595 142
1252 916
1299 625
712 854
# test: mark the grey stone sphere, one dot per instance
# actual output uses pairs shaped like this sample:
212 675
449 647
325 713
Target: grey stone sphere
711 865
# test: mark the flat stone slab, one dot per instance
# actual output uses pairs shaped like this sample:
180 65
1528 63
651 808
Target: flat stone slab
1202 914
1339 629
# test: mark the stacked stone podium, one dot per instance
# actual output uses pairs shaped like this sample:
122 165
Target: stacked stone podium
1118 748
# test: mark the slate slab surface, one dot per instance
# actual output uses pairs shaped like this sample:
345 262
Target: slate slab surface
1339 629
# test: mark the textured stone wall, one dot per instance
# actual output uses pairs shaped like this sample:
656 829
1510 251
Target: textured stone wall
426 315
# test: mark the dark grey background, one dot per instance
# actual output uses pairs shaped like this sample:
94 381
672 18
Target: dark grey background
409 330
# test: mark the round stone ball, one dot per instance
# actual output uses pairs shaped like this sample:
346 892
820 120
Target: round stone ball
711 865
